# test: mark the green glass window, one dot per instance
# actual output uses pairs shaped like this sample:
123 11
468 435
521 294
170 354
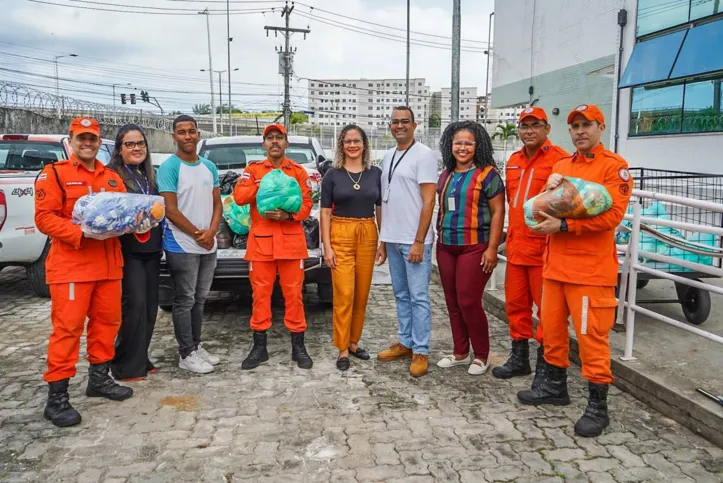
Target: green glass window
704 8
702 112
656 15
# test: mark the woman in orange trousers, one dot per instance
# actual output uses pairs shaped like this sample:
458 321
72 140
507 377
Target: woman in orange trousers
351 198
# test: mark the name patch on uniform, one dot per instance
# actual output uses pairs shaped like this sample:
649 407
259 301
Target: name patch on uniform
75 183
624 174
512 167
624 189
42 177
112 183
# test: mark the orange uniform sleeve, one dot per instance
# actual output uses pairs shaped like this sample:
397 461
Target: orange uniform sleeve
306 201
619 184
246 187
49 217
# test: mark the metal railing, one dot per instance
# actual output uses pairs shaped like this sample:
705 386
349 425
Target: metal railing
18 96
632 264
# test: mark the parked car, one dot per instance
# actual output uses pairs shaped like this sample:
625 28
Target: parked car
233 154
22 156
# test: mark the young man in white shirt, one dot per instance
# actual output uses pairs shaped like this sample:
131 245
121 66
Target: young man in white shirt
409 180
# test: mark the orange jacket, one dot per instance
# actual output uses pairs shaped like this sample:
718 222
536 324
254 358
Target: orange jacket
268 239
72 257
526 178
586 254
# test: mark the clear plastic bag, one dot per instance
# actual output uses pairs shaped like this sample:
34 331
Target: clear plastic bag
278 191
109 214
574 198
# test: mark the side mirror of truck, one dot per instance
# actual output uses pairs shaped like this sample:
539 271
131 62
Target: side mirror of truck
324 167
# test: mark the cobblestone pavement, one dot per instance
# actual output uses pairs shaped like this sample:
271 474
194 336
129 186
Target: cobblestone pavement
280 423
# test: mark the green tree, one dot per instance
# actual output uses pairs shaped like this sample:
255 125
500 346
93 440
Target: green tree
298 118
435 121
505 132
202 109
223 109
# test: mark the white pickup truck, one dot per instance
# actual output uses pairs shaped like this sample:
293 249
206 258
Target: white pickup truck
22 156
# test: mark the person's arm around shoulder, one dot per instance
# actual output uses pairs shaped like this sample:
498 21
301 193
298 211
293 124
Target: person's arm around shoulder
494 193
427 179
168 188
49 210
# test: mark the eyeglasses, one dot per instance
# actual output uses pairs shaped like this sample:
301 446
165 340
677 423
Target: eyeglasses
534 126
133 144
352 142
397 122
467 144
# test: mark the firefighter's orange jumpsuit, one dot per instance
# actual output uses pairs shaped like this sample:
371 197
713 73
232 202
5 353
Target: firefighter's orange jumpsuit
525 178
275 247
581 269
84 274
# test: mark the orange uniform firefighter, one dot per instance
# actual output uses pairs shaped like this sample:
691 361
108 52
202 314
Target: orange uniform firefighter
276 245
525 176
580 275
84 274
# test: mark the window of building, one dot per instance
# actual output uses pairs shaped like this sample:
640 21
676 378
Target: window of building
312 84
704 8
652 60
656 15
701 52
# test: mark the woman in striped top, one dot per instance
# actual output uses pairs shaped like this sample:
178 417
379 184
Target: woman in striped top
470 223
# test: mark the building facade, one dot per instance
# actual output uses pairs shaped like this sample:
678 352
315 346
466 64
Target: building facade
655 69
366 102
467 104
497 117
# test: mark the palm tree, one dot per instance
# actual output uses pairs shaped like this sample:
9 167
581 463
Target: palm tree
505 132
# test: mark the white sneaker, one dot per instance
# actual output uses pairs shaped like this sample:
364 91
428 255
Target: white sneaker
204 354
450 361
477 368
194 363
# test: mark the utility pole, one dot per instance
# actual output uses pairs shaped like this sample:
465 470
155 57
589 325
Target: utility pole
408 43
115 118
286 55
488 53
210 71
228 48
57 81
456 44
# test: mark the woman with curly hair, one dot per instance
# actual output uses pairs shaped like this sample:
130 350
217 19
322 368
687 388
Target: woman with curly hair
351 197
470 223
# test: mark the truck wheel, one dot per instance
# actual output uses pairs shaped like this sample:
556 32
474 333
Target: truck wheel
643 283
326 293
36 274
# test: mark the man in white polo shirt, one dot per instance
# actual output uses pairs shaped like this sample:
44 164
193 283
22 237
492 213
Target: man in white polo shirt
189 184
409 180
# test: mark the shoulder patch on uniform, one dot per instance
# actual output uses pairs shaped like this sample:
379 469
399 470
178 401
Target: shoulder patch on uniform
42 177
624 189
308 183
40 194
112 183
624 174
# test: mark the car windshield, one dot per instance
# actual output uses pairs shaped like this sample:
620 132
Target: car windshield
236 156
29 155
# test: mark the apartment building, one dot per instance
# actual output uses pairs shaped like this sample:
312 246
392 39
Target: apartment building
467 104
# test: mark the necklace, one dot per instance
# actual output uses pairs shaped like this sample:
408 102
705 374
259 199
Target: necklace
357 181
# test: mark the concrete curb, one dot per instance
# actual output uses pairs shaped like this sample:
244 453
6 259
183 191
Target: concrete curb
664 399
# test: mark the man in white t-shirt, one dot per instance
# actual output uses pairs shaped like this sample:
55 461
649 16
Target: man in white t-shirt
189 184
409 180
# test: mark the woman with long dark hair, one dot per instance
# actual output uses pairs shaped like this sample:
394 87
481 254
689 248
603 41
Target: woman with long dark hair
470 223
351 198
131 159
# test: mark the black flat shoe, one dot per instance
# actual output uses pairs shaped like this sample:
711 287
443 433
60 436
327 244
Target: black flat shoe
360 353
342 363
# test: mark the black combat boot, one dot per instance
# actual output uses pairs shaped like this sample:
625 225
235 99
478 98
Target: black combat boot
258 354
100 384
553 390
58 409
298 351
518 363
595 419
539 368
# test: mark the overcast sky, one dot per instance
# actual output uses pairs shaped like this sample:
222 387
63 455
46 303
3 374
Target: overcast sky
163 53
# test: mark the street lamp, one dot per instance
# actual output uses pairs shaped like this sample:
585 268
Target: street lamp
220 99
488 53
57 83
210 70
115 121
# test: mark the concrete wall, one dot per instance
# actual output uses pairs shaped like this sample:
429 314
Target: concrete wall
26 122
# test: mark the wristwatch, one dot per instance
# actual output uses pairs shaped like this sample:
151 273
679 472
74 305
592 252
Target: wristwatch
563 225
290 216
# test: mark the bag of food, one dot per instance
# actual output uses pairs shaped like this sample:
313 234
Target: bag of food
108 214
237 217
277 191
574 198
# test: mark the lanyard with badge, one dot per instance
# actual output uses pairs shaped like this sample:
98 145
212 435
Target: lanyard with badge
393 168
146 191
451 200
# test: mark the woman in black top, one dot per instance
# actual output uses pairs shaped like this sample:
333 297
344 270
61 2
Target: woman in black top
131 159
351 198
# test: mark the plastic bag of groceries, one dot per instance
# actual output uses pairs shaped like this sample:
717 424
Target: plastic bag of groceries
574 198
278 191
237 217
108 214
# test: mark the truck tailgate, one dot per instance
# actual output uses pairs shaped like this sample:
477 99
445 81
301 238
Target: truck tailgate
20 241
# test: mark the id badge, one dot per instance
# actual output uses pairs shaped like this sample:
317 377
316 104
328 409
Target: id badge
385 199
451 205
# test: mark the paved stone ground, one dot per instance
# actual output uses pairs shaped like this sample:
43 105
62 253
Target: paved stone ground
279 423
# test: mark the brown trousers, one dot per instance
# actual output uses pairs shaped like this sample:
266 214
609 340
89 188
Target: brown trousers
354 241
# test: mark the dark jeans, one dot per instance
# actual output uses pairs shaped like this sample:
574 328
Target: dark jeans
192 275
139 310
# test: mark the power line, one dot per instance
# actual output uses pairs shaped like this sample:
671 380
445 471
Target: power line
119 10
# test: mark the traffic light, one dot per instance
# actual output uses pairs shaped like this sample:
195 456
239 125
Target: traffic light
133 98
144 96
123 98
